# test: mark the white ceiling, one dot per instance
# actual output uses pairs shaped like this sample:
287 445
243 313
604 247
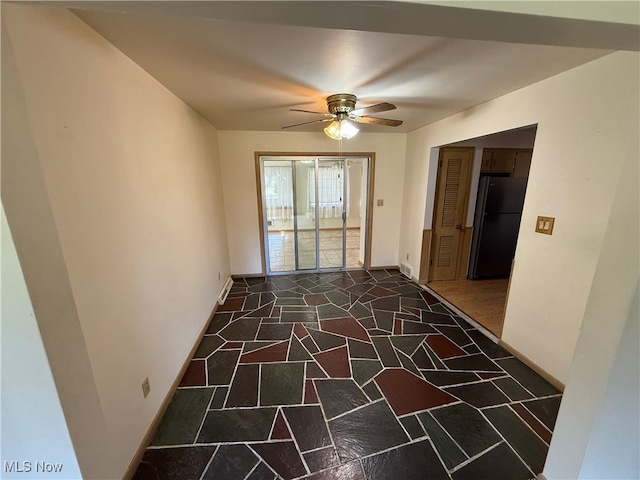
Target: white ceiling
242 65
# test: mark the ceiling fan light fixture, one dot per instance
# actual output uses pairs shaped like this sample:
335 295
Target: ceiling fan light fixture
341 128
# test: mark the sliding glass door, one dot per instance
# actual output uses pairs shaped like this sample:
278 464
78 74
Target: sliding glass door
304 213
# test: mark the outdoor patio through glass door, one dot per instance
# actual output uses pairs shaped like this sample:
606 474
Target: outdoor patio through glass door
304 213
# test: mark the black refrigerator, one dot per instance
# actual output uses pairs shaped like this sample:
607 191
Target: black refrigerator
496 225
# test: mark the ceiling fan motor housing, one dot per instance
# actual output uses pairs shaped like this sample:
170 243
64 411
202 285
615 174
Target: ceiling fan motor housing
341 103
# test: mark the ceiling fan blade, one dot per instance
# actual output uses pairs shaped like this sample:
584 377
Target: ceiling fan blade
377 121
307 123
377 108
309 111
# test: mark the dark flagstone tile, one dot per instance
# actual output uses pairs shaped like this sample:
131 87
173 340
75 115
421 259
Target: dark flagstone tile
408 364
347 327
327 341
298 316
262 472
252 346
339 298
348 471
364 370
437 318
263 311
310 395
365 431
471 348
440 308
221 365
499 463
359 349
521 438
300 331
208 345
308 427
314 370
283 294
379 274
443 347
512 388
244 388
219 321
231 462
232 345
489 347
217 402
243 329
251 302
281 383
358 310
310 344
239 314
379 291
368 322
297 352
491 375
407 343
281 301
320 289
183 417
254 280
408 316
409 462
545 409
407 393
384 320
338 396
335 362
415 303
174 463
437 363
331 311
451 454
231 305
409 327
412 426
467 427
372 391
237 425
421 359
280 429
322 459
274 331
442 379
386 352
536 425
266 297
479 395
477 362
283 457
195 374
390 304
359 289
376 332
527 377
430 299
316 299
456 334
272 353
343 282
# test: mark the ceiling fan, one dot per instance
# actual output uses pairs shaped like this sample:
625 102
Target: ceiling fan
343 116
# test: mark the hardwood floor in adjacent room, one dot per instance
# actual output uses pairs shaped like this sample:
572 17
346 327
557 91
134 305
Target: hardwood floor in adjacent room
482 300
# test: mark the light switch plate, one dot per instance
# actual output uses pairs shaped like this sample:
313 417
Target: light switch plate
380 202
545 225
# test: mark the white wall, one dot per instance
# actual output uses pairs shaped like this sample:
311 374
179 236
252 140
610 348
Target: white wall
584 119
112 190
28 391
240 189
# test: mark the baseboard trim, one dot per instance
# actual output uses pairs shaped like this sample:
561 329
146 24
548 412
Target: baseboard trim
248 275
133 465
533 366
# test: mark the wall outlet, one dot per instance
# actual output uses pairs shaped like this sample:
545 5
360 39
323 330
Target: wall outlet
146 387
407 257
218 275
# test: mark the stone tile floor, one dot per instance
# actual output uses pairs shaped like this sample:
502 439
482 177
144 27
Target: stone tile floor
352 375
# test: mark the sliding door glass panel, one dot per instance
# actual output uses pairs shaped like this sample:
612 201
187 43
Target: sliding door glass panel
328 190
305 216
278 206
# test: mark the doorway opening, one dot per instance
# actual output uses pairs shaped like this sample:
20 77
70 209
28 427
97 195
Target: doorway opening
481 214
315 212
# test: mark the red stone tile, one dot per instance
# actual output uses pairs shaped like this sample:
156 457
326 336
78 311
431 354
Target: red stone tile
276 311
272 353
487 375
397 327
533 422
430 299
443 347
231 305
348 471
300 331
407 393
335 362
381 292
231 345
194 375
280 429
347 327
316 299
415 311
310 395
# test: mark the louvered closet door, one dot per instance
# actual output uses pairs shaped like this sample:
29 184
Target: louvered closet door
450 212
